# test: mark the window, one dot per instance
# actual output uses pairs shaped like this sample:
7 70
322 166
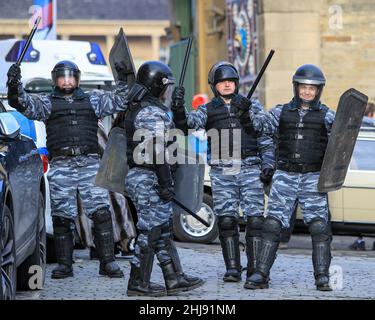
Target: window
363 155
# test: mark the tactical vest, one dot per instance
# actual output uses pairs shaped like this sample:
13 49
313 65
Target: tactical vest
302 143
220 118
72 128
129 121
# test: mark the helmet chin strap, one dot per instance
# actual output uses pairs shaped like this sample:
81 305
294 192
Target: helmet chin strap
65 91
228 96
307 102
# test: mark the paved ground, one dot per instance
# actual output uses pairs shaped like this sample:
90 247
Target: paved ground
291 276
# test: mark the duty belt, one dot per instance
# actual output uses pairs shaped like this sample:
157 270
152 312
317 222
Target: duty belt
73 151
299 167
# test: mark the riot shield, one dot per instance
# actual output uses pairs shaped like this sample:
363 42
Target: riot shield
120 56
113 166
188 182
341 143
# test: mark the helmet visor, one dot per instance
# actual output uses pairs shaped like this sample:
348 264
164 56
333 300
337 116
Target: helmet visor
167 96
66 78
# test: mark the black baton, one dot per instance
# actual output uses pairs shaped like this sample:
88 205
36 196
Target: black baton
186 61
260 75
29 38
190 212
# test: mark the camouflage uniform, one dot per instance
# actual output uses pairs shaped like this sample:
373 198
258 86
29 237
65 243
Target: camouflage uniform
74 162
140 182
149 183
69 174
287 187
296 181
242 188
236 181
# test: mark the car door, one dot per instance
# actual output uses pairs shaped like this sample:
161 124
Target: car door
359 185
23 165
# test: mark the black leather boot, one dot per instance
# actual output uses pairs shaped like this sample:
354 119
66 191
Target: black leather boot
230 245
104 243
253 241
63 239
267 254
321 253
139 281
174 278
167 235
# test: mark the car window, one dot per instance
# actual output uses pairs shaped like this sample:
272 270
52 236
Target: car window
363 155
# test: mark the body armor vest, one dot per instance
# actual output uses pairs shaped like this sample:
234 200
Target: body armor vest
302 142
129 121
220 118
72 128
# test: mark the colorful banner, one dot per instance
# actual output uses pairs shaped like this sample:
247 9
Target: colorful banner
46 9
243 40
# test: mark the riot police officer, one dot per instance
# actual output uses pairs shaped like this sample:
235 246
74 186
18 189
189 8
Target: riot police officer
71 119
149 183
236 178
302 128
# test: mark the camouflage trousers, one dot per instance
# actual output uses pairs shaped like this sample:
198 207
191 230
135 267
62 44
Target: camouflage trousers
243 190
151 210
70 177
289 187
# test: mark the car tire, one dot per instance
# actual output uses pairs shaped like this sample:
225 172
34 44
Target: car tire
8 269
38 257
188 229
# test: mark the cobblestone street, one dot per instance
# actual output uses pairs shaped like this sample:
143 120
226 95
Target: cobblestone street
291 277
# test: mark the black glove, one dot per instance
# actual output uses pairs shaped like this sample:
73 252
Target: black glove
178 96
266 175
165 193
14 76
121 71
241 104
164 185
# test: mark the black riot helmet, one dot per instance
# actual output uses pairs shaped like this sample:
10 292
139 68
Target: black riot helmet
155 76
66 69
312 75
220 71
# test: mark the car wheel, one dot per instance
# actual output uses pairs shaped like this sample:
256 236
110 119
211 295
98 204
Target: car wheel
8 274
38 257
186 228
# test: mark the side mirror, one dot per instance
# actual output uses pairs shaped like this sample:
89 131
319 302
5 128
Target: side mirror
9 127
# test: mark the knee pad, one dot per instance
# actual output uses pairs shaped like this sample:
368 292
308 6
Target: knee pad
228 226
320 231
254 226
227 223
271 229
62 225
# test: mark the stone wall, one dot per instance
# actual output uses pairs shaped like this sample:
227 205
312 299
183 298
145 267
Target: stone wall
337 35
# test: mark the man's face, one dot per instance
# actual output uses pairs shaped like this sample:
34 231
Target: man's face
307 92
225 87
67 83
